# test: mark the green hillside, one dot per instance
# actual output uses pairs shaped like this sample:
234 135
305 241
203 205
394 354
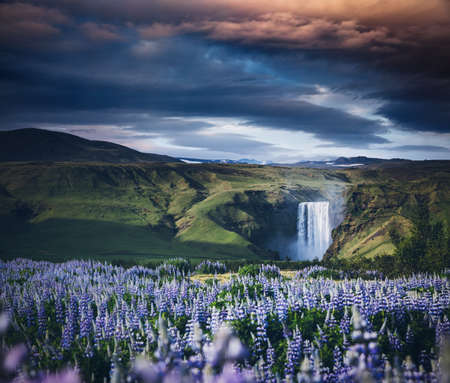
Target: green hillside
143 211
151 210
385 198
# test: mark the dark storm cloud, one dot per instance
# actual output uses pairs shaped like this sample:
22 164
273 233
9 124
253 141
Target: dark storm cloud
402 35
134 63
30 26
421 104
420 115
221 85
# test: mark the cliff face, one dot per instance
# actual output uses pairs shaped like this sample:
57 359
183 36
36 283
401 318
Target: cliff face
384 198
267 219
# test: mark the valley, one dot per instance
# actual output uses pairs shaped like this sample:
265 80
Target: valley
137 212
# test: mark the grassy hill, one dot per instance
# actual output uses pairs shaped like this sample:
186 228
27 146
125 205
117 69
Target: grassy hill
45 145
383 198
142 211
152 210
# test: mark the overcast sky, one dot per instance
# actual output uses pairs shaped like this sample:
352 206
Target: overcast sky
278 80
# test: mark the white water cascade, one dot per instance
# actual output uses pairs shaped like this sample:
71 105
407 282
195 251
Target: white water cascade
314 230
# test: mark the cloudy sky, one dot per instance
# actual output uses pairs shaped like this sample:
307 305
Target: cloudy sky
278 80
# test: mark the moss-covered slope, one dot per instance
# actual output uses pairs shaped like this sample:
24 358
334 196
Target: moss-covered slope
384 198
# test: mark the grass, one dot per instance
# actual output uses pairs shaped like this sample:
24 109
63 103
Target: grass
64 239
223 278
383 197
375 239
147 211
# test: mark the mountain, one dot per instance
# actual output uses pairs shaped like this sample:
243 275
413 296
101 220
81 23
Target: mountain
346 162
122 205
248 161
362 160
341 162
44 145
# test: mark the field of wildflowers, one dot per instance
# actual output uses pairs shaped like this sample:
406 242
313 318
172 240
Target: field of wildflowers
84 321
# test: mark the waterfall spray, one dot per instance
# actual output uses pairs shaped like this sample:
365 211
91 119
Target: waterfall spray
314 229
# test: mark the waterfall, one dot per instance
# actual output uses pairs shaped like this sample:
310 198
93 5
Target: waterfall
314 230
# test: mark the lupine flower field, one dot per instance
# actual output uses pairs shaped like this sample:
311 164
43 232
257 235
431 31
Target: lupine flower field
84 321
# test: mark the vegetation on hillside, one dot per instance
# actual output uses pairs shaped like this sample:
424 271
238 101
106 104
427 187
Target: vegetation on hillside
427 248
137 212
386 199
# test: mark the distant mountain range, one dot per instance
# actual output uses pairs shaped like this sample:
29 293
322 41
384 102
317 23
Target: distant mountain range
44 145
344 162
223 161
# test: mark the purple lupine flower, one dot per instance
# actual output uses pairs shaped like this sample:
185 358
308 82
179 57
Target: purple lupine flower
42 318
270 360
14 358
59 310
409 338
394 341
